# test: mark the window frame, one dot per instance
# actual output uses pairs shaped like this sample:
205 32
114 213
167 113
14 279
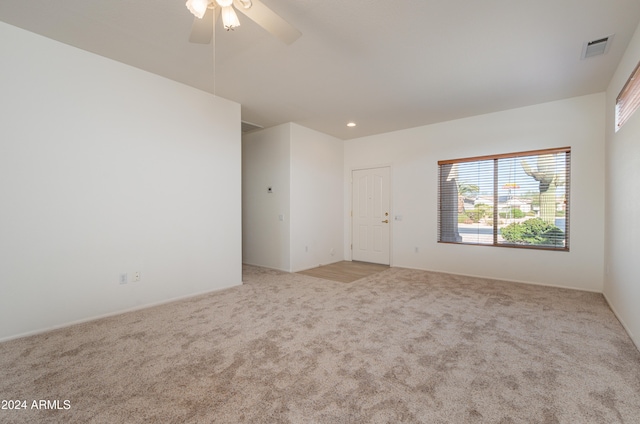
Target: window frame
495 227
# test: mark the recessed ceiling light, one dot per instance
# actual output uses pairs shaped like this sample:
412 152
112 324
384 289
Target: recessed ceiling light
351 124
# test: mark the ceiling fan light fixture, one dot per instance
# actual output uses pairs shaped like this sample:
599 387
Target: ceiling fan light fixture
197 7
229 18
224 3
246 3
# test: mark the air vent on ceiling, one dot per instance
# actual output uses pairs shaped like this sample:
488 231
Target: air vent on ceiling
596 47
248 127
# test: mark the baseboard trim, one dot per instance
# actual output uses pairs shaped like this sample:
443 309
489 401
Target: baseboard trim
292 271
112 314
635 341
266 267
534 283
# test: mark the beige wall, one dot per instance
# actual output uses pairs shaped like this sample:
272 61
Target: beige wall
316 198
266 158
104 170
622 280
304 168
413 156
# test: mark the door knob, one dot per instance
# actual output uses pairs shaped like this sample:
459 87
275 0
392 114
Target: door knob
386 221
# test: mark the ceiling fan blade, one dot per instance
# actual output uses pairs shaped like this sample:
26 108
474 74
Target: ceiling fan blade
202 29
269 20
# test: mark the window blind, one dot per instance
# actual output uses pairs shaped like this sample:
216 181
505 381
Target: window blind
507 200
629 98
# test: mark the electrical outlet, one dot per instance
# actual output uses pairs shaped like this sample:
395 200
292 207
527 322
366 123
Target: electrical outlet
124 279
136 276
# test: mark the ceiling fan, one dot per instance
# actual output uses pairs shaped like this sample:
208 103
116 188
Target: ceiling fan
206 14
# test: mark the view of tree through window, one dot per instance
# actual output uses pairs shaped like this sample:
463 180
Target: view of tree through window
516 200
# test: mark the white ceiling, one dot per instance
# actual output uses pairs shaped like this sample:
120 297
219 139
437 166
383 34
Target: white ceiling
385 64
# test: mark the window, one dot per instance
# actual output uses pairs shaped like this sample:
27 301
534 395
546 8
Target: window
510 200
629 98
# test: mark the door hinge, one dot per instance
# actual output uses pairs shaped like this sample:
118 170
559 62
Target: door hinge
351 246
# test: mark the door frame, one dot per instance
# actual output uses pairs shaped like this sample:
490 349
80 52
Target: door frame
349 247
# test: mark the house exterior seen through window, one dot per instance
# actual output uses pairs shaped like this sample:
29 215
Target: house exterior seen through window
508 200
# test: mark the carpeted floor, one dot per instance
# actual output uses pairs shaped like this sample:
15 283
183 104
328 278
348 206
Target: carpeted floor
399 346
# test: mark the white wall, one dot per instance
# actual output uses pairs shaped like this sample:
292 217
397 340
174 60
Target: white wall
413 156
622 287
266 157
106 169
316 198
304 168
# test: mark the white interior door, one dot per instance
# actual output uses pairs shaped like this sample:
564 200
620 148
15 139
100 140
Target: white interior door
370 215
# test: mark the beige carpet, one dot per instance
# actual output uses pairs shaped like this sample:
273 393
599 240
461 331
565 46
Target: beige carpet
401 346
